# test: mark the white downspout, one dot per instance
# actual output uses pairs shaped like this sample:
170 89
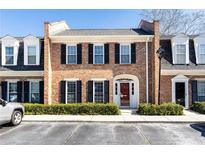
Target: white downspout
147 73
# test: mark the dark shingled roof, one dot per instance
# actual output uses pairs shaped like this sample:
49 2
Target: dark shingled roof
97 32
167 59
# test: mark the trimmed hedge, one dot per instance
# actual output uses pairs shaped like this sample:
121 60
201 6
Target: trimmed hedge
198 107
73 109
162 109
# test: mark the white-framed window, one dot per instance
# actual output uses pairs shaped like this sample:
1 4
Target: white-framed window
12 92
202 54
180 53
201 88
98 55
71 91
98 91
34 92
32 55
9 55
125 54
71 54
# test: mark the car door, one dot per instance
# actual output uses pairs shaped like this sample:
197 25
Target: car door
4 114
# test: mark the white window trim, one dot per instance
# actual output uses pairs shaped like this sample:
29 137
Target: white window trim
177 40
31 41
99 44
94 90
185 80
8 82
197 42
66 90
121 44
33 80
67 45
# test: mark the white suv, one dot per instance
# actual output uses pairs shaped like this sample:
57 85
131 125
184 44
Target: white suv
11 112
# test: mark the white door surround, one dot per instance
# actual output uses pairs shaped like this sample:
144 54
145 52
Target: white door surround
133 83
185 80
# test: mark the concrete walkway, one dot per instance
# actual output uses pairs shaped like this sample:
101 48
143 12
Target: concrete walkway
127 116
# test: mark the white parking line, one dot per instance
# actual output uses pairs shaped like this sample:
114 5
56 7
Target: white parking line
12 129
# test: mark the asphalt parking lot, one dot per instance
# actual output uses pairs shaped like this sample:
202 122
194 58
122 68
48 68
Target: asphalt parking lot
38 133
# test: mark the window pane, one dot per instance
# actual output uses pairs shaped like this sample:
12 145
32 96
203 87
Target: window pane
124 49
72 50
202 58
202 49
181 48
12 87
35 98
201 88
72 59
31 59
98 59
98 50
9 50
71 92
12 97
34 87
32 50
99 92
9 59
124 59
181 59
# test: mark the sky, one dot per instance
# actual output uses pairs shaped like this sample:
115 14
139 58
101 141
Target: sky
24 22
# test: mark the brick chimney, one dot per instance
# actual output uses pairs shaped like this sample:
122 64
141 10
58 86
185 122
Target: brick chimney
47 66
155 62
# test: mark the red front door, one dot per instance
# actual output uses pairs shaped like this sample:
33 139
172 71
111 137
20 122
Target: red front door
124 94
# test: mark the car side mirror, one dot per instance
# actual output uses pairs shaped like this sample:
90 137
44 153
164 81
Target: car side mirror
3 102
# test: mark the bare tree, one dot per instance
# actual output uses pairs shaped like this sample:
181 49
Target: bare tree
175 21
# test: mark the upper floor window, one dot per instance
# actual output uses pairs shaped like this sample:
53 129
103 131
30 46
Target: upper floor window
125 54
181 54
98 54
31 55
9 56
202 54
71 54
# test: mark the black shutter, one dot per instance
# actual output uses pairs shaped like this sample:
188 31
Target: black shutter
79 91
19 91
63 53
4 90
26 91
63 92
194 91
90 91
79 54
117 53
106 54
106 91
133 53
90 54
41 91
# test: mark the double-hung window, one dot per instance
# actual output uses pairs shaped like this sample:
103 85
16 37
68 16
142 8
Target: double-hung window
125 52
9 56
71 54
12 91
98 54
201 88
181 54
34 92
71 92
202 54
31 55
98 91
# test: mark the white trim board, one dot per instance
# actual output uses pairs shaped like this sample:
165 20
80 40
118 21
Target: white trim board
184 72
21 73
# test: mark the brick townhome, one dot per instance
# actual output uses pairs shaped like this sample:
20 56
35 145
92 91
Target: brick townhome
102 65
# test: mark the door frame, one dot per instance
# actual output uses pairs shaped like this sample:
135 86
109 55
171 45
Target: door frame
185 80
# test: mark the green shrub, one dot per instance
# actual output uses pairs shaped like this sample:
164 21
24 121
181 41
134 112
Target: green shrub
198 107
73 109
162 109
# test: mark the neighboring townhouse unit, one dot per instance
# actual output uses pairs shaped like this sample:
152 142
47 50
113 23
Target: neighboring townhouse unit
21 69
183 69
102 65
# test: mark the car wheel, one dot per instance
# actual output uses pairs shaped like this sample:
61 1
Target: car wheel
16 118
